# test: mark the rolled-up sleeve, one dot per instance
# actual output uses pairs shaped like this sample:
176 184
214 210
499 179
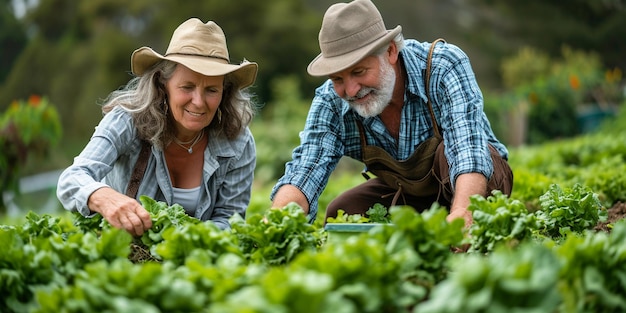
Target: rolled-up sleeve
85 175
462 119
319 151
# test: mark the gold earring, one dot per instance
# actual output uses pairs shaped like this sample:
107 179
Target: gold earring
219 115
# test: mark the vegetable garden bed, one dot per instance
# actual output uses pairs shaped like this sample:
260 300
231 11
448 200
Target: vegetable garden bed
616 213
277 262
557 244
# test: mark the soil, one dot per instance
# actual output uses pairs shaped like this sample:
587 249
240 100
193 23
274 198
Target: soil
140 253
615 213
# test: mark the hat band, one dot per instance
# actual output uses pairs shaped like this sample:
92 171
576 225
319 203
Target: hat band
196 55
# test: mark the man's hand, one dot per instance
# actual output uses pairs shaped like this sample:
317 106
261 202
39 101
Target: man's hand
463 213
466 185
120 210
466 215
289 193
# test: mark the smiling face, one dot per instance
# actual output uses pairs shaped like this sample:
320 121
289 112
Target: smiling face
366 86
193 100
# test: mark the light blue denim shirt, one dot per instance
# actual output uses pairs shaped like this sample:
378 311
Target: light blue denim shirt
331 131
110 156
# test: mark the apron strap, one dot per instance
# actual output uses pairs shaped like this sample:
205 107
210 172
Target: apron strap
428 72
139 170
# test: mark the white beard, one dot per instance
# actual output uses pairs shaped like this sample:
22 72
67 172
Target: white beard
379 97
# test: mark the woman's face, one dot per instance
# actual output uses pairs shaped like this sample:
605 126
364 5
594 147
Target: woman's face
193 99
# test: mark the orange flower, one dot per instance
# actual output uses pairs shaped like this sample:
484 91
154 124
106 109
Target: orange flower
574 82
34 100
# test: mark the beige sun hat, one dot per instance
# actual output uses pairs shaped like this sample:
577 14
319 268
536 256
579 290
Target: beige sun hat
350 32
201 48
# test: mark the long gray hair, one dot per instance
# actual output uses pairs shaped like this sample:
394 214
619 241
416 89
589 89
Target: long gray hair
145 98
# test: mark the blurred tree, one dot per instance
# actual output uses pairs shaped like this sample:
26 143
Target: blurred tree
80 50
585 25
12 38
281 35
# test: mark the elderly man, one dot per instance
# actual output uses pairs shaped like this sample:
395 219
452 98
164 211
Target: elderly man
386 106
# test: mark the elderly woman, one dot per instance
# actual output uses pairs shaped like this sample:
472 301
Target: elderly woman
178 132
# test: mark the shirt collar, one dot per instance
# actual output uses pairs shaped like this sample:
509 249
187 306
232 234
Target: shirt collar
415 68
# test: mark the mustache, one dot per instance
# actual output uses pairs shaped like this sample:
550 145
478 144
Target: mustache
362 93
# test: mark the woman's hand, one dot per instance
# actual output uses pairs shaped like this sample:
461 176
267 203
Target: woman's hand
121 211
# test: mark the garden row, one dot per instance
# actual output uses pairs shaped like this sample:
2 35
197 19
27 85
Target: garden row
543 261
535 251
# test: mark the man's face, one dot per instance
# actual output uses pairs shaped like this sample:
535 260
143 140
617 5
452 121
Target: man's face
366 86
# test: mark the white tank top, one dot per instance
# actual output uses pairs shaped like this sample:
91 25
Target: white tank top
187 198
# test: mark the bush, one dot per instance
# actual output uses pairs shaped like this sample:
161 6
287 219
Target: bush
27 128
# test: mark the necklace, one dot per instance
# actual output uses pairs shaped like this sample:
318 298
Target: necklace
193 142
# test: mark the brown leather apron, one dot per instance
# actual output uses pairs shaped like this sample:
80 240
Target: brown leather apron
426 171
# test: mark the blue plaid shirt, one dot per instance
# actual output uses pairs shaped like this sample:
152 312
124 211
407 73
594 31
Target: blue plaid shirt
331 132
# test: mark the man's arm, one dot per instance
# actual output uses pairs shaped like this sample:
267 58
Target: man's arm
466 185
290 193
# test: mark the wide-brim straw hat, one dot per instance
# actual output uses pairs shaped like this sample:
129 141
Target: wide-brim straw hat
201 48
349 33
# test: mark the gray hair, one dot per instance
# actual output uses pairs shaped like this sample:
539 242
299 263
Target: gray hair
145 98
398 40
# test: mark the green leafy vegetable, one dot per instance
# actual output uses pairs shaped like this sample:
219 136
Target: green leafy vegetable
499 220
571 209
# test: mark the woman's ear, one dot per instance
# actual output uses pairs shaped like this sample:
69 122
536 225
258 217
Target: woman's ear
159 86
